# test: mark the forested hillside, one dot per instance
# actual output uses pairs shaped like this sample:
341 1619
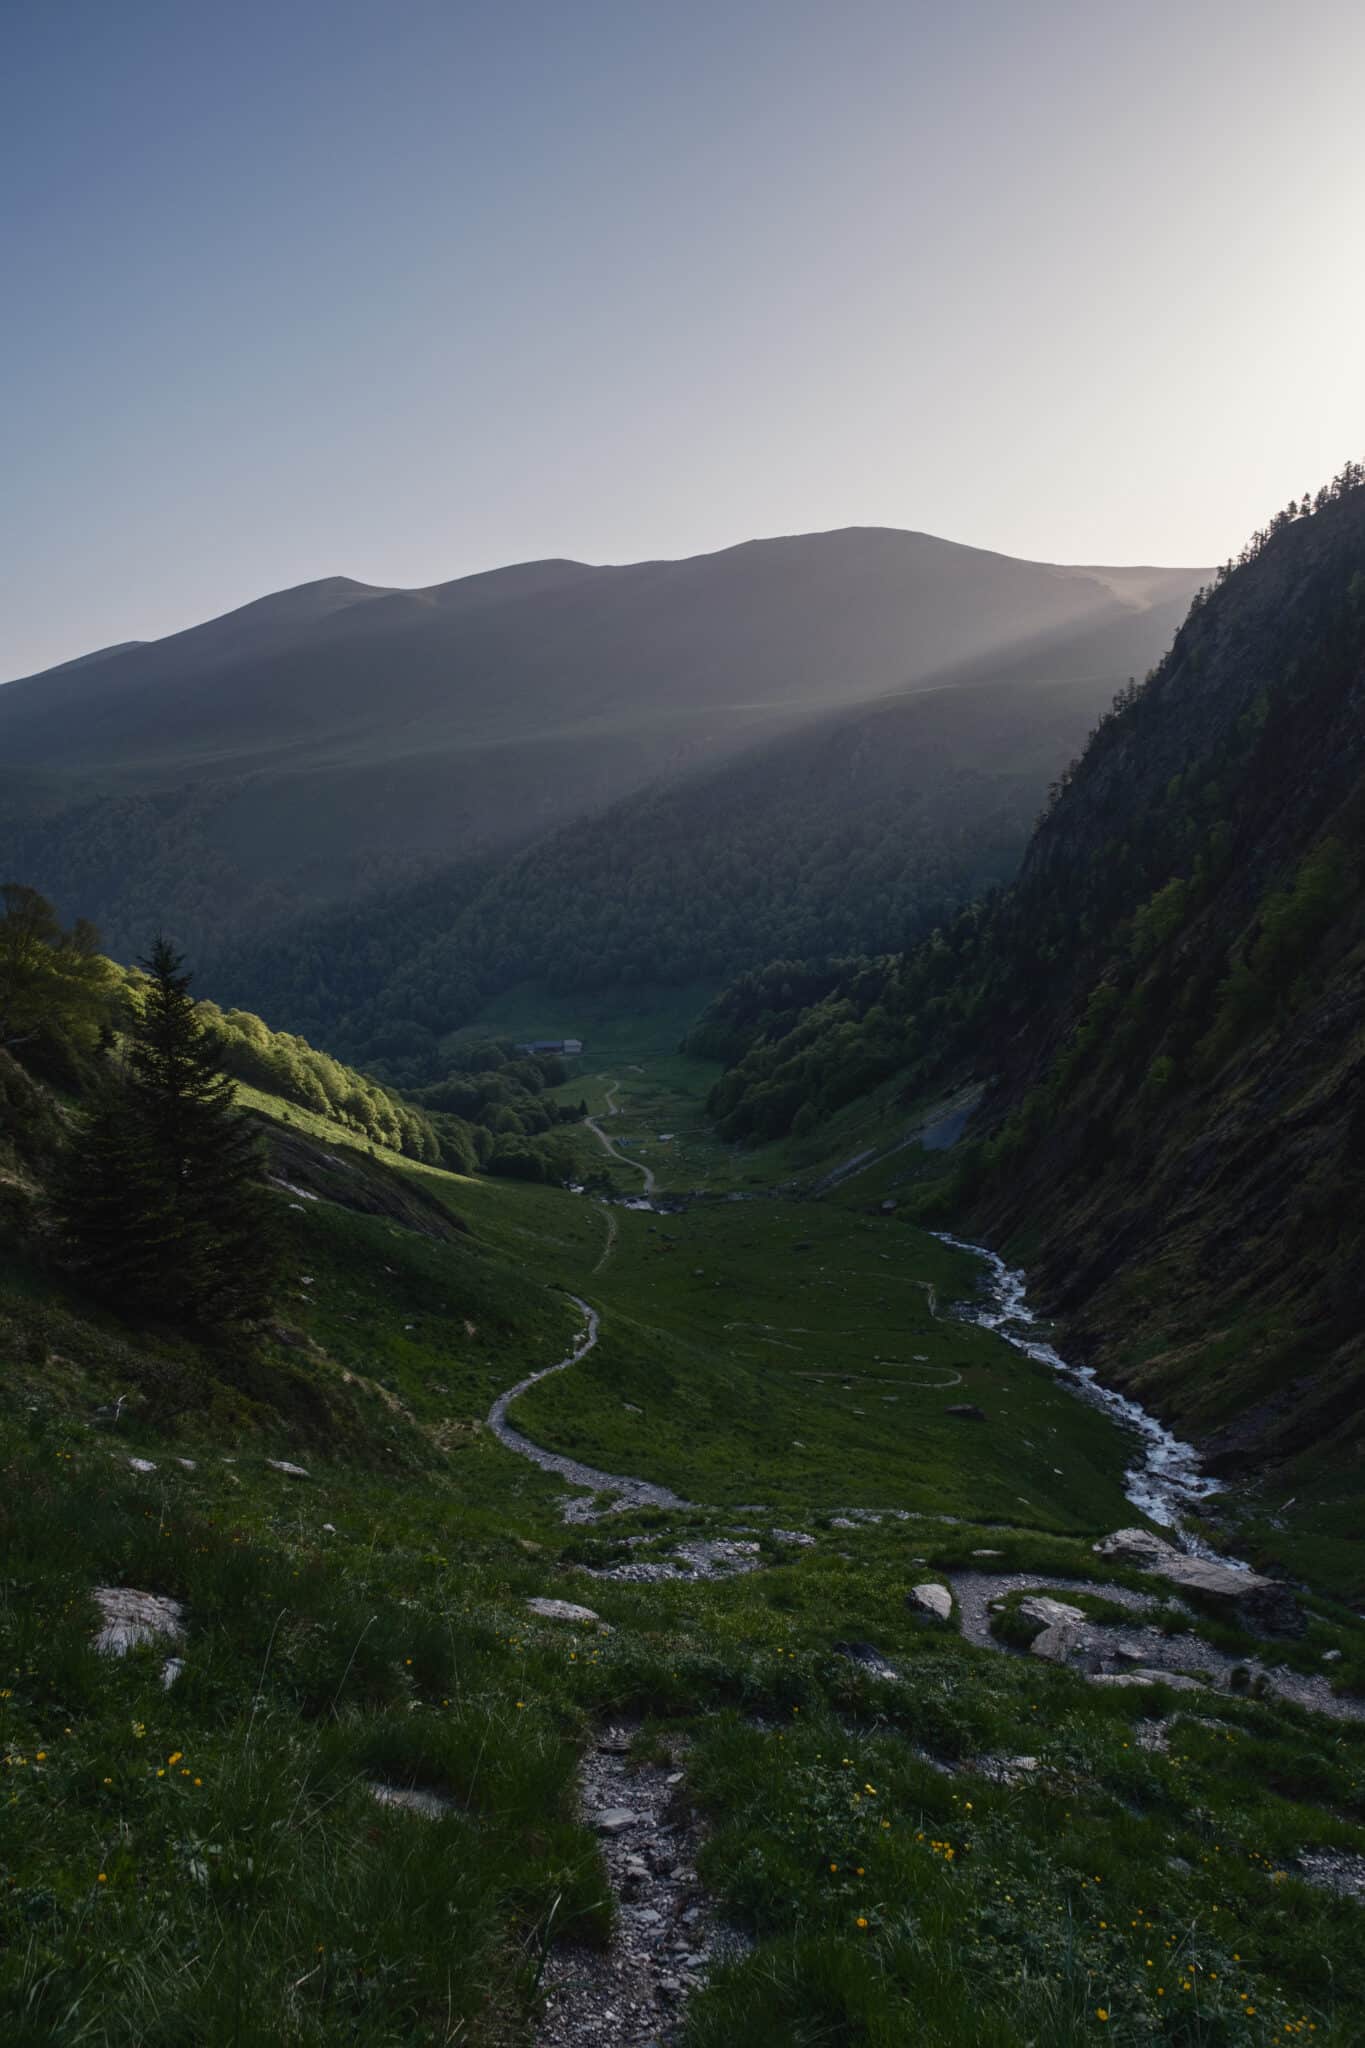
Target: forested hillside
1167 1007
331 742
65 1009
857 833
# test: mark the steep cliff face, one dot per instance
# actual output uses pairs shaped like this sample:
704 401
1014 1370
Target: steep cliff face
1177 1121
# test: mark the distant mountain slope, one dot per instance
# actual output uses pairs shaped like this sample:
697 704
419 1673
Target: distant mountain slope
855 832
1167 1007
326 739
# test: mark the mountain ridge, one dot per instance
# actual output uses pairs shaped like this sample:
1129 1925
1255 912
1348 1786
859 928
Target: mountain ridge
322 742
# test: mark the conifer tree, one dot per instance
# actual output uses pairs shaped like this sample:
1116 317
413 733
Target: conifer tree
163 1202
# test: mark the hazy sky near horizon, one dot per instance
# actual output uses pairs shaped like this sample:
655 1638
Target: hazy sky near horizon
401 289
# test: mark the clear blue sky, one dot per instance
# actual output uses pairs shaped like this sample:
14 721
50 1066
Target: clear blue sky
408 289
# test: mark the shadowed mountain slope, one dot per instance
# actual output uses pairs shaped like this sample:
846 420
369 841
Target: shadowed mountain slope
329 739
1166 1009
854 833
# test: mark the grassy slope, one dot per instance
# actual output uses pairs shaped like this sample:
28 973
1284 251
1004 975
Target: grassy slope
264 1897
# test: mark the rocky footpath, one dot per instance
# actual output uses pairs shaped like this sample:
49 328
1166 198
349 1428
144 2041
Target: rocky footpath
665 1937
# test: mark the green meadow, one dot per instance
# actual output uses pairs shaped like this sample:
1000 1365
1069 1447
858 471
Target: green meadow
207 1864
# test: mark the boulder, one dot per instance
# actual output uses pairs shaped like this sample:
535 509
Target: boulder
1041 1607
1069 1643
561 1610
1257 1602
1135 1546
931 1602
130 1618
413 1799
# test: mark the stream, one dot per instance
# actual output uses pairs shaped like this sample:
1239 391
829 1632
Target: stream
1165 1480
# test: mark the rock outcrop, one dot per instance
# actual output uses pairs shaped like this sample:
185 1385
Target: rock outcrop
1260 1603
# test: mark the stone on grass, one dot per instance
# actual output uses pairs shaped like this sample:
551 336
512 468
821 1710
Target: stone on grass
1040 1607
966 1411
931 1602
142 1464
868 1656
561 1610
1005 1770
413 1799
289 1471
1177 1680
131 1618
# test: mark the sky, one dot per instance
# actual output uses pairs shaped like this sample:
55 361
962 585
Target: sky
404 289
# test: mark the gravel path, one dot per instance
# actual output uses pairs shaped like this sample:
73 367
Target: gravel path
974 1592
614 1151
665 1936
630 1492
1140 1647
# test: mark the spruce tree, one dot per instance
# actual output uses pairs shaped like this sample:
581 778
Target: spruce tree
163 1202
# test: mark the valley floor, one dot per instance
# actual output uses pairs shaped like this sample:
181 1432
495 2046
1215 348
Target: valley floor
812 1813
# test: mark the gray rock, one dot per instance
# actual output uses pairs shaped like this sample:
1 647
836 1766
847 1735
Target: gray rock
1135 1546
1039 1607
1260 1602
868 1656
1335 1870
289 1471
561 1610
1066 1642
1006 1770
932 1602
615 1820
966 1411
413 1799
142 1465
1175 1679
131 1618
1331 1656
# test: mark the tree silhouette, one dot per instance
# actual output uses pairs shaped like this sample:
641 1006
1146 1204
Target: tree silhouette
162 1198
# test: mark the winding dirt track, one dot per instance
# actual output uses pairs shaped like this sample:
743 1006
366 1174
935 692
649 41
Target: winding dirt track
614 1151
636 1492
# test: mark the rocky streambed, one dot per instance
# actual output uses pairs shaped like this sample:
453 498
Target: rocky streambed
1165 1481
